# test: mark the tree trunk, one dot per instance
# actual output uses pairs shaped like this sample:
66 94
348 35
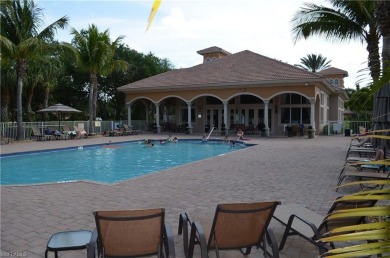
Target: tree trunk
381 112
30 95
92 102
46 100
19 93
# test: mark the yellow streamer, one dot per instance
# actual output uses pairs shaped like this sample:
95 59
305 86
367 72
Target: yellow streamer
153 12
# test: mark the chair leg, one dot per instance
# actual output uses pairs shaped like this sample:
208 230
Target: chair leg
272 242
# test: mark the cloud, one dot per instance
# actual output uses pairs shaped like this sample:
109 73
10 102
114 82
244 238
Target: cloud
180 28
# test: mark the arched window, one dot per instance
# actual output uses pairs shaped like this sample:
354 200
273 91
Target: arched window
331 81
336 82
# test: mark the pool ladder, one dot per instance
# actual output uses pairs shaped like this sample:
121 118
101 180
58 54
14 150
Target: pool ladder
212 129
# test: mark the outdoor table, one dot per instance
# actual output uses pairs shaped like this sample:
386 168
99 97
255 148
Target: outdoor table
68 240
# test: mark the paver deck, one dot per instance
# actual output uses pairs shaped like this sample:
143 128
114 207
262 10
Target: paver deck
291 170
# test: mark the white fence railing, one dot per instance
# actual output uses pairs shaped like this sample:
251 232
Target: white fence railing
8 129
337 127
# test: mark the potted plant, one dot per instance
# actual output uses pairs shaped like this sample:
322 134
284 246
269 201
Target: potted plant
310 132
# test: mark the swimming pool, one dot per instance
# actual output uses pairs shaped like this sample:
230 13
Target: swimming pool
105 163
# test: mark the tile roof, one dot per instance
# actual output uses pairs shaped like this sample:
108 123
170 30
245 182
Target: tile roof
213 50
244 67
333 70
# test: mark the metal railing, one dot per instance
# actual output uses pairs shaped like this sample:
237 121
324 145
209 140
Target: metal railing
337 127
8 129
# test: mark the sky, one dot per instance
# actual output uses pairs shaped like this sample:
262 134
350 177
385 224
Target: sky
183 27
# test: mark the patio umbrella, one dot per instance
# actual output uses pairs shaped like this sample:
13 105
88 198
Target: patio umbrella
59 109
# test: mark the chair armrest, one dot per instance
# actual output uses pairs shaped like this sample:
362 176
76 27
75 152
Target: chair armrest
197 236
310 224
184 222
314 238
169 242
92 244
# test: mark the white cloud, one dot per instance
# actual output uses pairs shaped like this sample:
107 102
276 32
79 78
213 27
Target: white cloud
180 28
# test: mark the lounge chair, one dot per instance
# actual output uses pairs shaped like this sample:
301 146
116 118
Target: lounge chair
80 132
40 136
131 233
127 130
311 226
350 161
361 172
71 134
235 226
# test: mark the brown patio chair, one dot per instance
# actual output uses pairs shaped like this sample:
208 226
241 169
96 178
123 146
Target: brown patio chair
236 226
311 226
36 133
131 233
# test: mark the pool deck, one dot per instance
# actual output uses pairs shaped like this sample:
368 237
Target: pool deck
287 169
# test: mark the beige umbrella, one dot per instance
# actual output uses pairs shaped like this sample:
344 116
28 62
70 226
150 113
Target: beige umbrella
59 109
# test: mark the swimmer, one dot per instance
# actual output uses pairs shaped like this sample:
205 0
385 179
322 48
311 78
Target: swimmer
204 139
162 142
148 143
226 139
240 134
175 140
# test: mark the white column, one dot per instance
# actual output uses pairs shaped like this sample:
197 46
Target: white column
189 104
266 125
225 113
225 116
129 116
147 116
312 109
158 117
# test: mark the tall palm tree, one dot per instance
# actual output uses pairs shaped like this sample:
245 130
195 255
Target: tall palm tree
21 40
96 56
314 63
381 112
348 20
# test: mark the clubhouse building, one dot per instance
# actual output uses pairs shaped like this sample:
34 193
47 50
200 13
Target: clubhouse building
243 90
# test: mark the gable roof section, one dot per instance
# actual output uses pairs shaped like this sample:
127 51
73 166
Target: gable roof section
211 50
244 67
333 71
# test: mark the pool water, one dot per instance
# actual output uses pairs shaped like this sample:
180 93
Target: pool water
106 163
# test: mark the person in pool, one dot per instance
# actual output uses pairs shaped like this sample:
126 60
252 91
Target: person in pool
240 134
204 139
148 143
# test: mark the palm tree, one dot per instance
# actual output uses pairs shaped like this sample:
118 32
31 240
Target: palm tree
347 20
96 56
21 40
314 63
381 112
